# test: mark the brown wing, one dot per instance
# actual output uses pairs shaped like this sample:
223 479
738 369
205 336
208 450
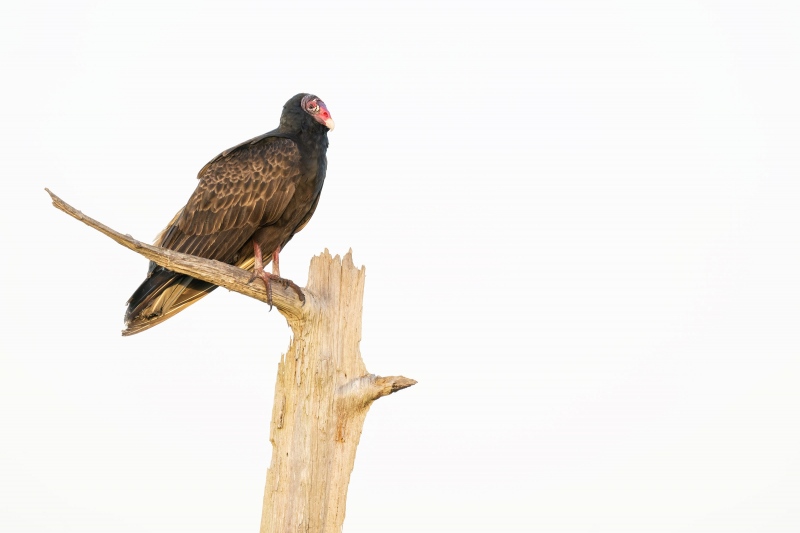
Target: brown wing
239 191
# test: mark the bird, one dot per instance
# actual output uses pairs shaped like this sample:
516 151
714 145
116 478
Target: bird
250 201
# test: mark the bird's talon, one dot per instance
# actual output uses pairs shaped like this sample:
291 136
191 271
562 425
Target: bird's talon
298 291
269 293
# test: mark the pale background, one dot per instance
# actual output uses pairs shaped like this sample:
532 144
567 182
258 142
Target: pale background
580 225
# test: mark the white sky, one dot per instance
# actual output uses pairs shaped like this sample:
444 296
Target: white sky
580 225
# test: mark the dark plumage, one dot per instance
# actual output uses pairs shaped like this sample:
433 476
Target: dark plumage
263 190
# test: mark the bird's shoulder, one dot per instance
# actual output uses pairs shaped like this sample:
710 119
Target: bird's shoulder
279 152
244 187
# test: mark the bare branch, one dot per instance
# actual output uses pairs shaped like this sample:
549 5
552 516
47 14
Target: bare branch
366 389
216 272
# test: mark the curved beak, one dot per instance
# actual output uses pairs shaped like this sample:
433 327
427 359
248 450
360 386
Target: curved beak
324 116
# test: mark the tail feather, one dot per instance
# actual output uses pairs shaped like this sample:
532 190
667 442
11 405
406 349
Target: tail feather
163 294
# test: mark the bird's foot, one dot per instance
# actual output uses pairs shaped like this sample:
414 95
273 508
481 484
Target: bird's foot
287 283
268 278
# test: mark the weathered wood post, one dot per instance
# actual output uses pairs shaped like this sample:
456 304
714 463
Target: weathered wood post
323 390
322 396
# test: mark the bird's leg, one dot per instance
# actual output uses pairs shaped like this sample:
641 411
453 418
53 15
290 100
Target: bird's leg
276 266
276 275
276 272
258 272
267 278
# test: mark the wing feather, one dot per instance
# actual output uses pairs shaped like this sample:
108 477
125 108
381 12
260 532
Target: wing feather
241 190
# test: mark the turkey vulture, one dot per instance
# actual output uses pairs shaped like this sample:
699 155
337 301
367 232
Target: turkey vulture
251 198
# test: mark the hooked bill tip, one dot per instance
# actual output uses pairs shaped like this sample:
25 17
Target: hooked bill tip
329 123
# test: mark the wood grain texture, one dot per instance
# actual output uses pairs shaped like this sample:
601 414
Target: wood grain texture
322 396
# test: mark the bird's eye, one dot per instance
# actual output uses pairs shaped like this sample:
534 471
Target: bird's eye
312 104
